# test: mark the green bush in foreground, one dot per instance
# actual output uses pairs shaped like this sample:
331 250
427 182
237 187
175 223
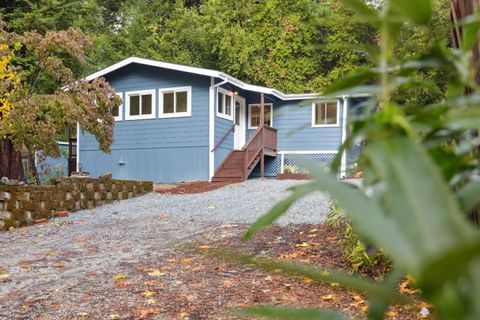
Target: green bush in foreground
420 166
362 258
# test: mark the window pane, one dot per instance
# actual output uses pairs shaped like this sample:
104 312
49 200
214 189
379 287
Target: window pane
331 116
181 101
147 104
134 105
168 102
319 115
267 111
228 105
254 115
116 111
237 113
220 102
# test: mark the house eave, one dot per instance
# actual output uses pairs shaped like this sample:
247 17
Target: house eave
209 73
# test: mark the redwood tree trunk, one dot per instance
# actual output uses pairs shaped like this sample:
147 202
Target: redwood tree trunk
10 161
459 10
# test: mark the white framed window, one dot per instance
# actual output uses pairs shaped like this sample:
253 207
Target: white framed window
326 114
175 102
254 115
140 105
118 111
224 104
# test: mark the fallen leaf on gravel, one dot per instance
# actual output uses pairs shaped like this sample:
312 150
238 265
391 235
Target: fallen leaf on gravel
114 316
163 217
4 276
148 293
143 313
391 313
57 265
211 206
303 245
186 260
120 277
313 230
307 280
328 297
151 301
156 273
172 260
203 247
25 266
82 314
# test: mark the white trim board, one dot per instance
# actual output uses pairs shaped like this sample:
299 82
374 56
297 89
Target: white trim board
208 73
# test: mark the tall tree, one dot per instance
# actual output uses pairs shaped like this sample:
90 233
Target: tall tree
37 113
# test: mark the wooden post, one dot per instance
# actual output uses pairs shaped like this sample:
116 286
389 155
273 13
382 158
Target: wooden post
261 126
262 110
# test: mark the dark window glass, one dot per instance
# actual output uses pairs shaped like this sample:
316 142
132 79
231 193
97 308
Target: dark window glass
220 102
168 102
134 105
181 101
116 111
147 104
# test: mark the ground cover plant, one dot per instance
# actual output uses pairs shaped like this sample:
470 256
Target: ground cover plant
420 166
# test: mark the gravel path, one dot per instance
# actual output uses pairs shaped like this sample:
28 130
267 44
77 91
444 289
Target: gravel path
54 266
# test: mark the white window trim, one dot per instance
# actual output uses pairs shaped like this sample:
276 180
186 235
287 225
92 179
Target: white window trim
175 114
223 114
250 112
333 125
120 108
142 116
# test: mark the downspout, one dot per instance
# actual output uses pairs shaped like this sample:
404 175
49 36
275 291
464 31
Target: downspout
343 166
211 127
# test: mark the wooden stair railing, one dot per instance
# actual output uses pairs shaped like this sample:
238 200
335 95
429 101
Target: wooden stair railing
238 164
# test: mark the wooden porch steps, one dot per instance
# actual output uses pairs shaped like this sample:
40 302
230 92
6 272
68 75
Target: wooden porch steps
239 164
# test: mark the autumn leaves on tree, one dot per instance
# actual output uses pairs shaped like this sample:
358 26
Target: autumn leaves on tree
41 96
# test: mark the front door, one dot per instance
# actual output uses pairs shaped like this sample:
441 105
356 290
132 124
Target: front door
240 123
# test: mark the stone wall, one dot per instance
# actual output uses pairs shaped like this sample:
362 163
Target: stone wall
24 205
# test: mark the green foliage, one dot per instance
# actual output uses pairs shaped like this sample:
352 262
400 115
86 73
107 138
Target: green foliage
420 164
367 260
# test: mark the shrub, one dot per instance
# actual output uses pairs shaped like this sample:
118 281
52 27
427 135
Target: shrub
366 259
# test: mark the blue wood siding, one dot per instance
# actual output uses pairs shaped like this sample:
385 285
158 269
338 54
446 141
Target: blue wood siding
293 120
221 128
162 150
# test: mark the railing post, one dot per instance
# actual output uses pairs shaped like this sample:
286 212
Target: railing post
262 156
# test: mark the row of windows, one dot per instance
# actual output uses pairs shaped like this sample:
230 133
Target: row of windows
177 102
174 102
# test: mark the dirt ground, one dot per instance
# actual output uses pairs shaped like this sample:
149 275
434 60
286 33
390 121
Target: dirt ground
186 284
189 187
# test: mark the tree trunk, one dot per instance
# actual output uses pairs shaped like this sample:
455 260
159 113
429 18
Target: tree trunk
33 168
459 10
10 161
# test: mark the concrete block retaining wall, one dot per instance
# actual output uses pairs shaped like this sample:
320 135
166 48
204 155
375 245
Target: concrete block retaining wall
23 205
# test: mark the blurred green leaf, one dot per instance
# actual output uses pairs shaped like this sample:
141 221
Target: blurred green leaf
362 9
290 313
418 199
356 78
469 195
451 264
470 26
280 208
416 11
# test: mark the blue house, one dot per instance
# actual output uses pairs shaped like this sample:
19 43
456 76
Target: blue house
179 123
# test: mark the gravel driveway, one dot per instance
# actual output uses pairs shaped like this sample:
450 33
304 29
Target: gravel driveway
50 269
